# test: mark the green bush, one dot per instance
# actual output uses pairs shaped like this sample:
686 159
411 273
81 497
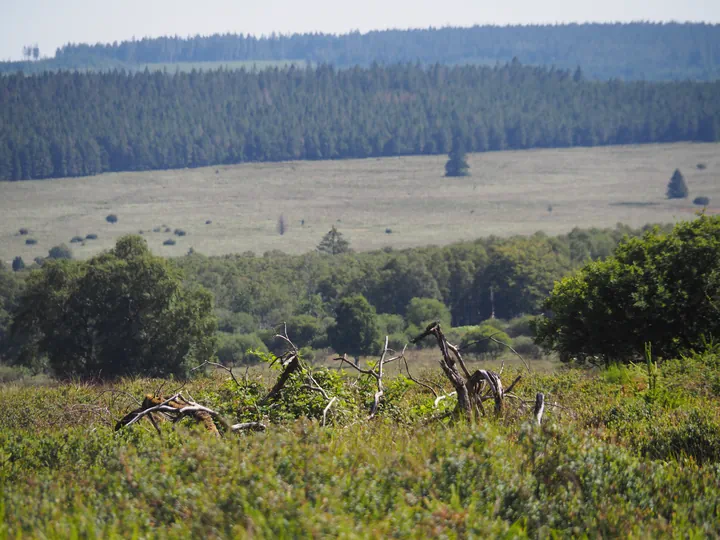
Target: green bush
521 326
660 288
477 341
60 252
239 323
697 436
526 346
390 324
239 349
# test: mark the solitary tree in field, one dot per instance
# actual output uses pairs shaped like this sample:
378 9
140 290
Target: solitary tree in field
457 164
677 188
333 243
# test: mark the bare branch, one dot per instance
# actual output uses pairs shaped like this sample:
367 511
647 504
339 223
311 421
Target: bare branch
218 365
327 408
413 379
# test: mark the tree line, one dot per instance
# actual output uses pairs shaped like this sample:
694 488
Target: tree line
634 51
76 309
73 124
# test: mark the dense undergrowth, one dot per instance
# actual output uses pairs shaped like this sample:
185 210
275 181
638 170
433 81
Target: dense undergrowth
628 451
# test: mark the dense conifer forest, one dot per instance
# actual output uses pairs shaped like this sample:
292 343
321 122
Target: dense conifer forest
628 51
74 124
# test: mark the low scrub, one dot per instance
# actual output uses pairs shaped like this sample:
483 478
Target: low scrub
614 459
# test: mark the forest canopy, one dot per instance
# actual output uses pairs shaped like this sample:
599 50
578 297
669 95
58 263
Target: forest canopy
634 51
75 124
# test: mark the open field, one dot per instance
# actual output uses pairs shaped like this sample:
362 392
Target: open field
508 193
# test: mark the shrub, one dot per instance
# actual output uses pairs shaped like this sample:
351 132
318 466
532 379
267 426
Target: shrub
60 252
525 346
421 311
23 231
18 264
166 229
520 326
169 242
239 323
111 218
478 341
658 289
239 349
91 236
76 239
391 324
698 437
306 330
179 232
701 201
30 241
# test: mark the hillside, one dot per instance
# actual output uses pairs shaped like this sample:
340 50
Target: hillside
395 202
635 51
72 124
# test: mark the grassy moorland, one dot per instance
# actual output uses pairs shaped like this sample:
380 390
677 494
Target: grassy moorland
629 451
398 202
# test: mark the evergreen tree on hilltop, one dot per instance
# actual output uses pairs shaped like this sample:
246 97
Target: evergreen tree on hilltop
457 163
677 188
333 243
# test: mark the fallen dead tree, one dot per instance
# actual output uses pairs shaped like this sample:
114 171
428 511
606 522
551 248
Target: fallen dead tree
177 407
472 390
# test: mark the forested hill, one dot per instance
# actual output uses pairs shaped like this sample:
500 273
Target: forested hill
70 124
637 51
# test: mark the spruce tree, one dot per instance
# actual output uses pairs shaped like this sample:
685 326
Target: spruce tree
677 188
333 243
457 164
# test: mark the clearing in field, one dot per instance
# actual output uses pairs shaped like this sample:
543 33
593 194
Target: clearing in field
398 202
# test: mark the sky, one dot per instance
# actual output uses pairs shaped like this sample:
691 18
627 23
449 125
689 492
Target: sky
52 23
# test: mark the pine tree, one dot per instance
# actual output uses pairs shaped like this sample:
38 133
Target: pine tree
333 243
677 188
457 164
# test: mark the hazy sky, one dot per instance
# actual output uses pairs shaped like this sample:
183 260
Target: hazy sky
51 23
